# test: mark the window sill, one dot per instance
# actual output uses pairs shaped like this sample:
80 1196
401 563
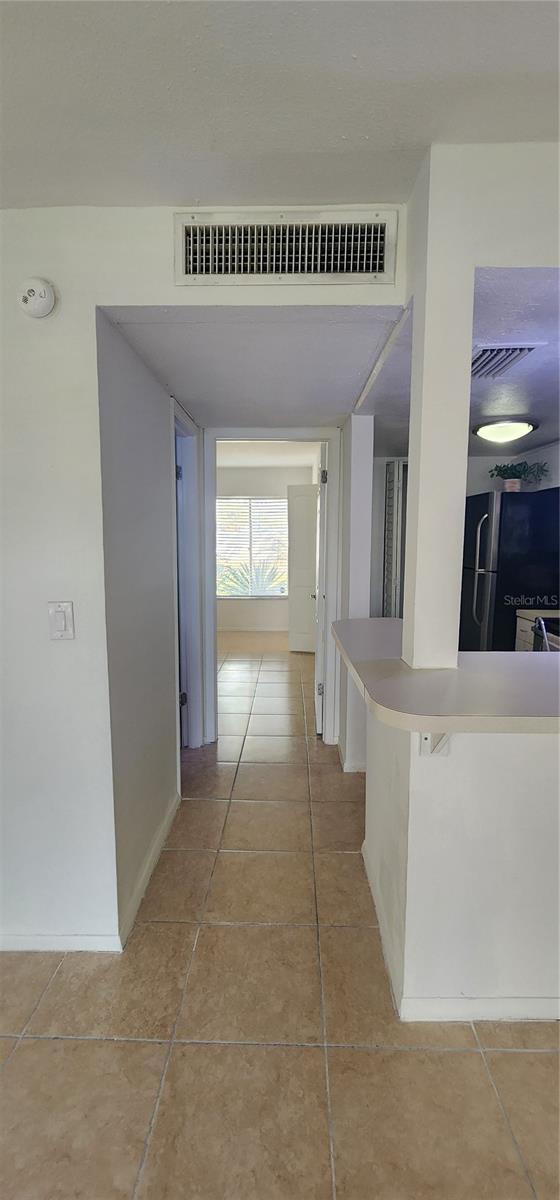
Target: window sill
284 596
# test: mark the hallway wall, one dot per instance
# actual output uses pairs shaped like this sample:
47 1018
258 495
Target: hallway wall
59 844
137 470
478 479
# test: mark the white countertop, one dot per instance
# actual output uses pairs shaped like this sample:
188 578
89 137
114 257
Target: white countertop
491 692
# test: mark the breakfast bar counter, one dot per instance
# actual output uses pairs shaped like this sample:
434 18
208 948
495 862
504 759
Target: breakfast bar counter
462 826
486 693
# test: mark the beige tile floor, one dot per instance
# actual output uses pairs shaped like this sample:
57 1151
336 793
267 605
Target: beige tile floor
244 1046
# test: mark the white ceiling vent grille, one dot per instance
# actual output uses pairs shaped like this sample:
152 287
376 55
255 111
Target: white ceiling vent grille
286 246
490 361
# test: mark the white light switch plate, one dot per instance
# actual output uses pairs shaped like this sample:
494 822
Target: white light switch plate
61 620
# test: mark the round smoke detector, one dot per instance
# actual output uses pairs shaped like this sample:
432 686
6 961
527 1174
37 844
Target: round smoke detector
36 297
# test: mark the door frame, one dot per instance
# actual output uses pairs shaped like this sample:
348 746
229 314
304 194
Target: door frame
188 590
331 682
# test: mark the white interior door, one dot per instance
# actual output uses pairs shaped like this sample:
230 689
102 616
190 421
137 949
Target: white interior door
189 588
321 588
182 534
302 566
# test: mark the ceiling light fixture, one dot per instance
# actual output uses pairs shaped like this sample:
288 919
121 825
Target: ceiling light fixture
504 431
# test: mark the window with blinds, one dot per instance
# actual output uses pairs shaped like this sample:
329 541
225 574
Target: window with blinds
251 546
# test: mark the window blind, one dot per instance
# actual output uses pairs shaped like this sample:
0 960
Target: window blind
251 546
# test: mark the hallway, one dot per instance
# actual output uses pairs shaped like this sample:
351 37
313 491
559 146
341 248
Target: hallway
244 1046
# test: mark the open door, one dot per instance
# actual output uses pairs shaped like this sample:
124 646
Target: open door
181 593
321 587
306 576
302 566
189 594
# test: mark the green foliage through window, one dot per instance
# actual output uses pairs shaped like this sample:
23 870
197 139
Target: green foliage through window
251 546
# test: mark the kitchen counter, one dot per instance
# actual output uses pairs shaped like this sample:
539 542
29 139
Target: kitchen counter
488 692
461 829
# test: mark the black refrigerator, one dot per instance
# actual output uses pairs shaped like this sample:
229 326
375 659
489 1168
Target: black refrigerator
510 561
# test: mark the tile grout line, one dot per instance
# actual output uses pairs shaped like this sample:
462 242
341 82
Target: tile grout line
367 1047
173 1038
330 1131
95 1037
166 1062
504 1112
258 924
20 1036
204 904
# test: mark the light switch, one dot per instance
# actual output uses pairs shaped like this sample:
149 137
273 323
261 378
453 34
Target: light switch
61 620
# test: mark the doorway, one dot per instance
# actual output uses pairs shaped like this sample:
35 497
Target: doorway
272 535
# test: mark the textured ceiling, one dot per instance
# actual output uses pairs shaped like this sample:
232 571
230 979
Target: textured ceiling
512 305
273 102
259 366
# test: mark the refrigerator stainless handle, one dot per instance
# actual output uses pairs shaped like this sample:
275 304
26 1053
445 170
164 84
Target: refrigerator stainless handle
539 628
477 570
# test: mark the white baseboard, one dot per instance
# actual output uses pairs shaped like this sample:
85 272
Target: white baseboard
60 942
158 841
347 765
352 767
479 1008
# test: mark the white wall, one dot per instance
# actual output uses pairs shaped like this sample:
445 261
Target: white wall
478 479
59 868
60 877
138 485
271 612
472 206
490 949
59 836
260 481
464 873
385 848
356 511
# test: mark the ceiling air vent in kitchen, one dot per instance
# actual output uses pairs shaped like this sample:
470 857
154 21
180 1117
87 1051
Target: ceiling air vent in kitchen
288 245
490 361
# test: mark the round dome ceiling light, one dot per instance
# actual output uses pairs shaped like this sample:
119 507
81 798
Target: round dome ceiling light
504 431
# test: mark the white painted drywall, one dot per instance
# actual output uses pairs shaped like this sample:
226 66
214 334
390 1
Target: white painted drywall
357 477
461 852
247 615
260 481
57 775
138 485
478 479
471 206
482 925
59 837
258 614
385 848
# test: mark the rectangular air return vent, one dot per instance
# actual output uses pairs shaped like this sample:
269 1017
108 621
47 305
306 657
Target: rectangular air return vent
490 361
286 245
